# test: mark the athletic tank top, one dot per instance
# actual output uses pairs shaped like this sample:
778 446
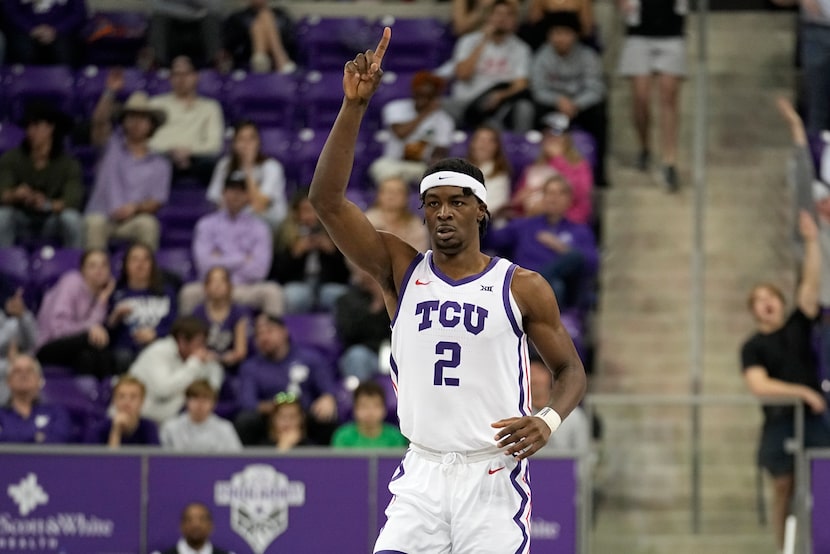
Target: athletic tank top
459 356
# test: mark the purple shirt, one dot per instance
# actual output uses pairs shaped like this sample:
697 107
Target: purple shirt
242 245
68 308
46 423
221 333
67 16
146 433
303 372
519 236
156 310
124 179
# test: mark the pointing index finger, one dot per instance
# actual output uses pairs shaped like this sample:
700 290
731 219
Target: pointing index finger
380 51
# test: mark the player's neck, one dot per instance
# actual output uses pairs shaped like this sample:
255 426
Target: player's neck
460 264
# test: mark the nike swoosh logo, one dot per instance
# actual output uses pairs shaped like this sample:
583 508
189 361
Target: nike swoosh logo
442 178
419 282
492 471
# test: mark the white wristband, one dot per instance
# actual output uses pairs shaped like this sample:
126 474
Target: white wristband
549 416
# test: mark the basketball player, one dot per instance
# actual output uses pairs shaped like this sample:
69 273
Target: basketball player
460 324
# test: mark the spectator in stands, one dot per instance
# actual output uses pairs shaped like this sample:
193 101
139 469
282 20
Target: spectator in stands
469 15
310 268
491 68
391 213
72 315
263 175
169 365
172 21
228 323
256 30
287 423
573 435
369 428
655 50
362 324
40 185
563 252
18 333
779 361
567 79
236 239
281 366
25 418
125 426
45 33
196 527
420 132
557 156
131 181
536 31
192 134
486 152
199 429
142 308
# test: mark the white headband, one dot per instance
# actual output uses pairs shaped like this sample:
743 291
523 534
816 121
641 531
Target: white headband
454 179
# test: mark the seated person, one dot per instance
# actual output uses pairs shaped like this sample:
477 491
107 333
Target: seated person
72 315
174 21
281 366
43 33
310 268
263 175
169 365
228 323
142 307
234 238
369 429
18 333
25 419
362 324
391 213
199 429
196 527
486 152
125 426
563 252
287 424
131 181
255 31
40 185
192 134
420 132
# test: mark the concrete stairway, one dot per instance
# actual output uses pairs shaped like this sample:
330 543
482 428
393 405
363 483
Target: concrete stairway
644 325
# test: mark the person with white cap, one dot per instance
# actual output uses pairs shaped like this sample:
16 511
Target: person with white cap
461 321
131 181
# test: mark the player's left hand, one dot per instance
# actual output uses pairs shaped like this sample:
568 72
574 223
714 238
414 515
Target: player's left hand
522 436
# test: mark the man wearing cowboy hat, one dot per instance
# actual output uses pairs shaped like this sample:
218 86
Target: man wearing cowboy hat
40 185
132 182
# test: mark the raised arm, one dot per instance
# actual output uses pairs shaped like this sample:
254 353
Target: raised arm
807 295
347 225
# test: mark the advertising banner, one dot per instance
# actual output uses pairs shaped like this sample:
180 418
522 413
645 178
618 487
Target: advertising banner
820 482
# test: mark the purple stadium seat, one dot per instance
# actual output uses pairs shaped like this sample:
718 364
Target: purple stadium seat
305 152
177 261
328 43
276 142
47 265
419 42
322 94
14 266
115 37
227 404
267 99
53 84
521 149
179 216
10 136
316 331
78 395
574 322
90 82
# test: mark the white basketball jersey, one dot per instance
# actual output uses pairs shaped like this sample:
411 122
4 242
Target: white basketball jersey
459 356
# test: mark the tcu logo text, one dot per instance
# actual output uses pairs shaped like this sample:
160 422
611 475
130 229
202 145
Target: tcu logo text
450 314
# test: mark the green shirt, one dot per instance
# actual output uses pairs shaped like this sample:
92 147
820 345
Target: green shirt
59 180
348 436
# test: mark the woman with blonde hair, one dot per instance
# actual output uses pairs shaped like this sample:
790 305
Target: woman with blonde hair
486 151
391 213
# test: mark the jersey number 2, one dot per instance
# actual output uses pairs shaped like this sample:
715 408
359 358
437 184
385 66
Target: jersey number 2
454 360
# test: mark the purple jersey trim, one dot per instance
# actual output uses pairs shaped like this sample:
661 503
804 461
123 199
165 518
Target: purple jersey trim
514 476
465 280
400 471
505 295
406 276
394 365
